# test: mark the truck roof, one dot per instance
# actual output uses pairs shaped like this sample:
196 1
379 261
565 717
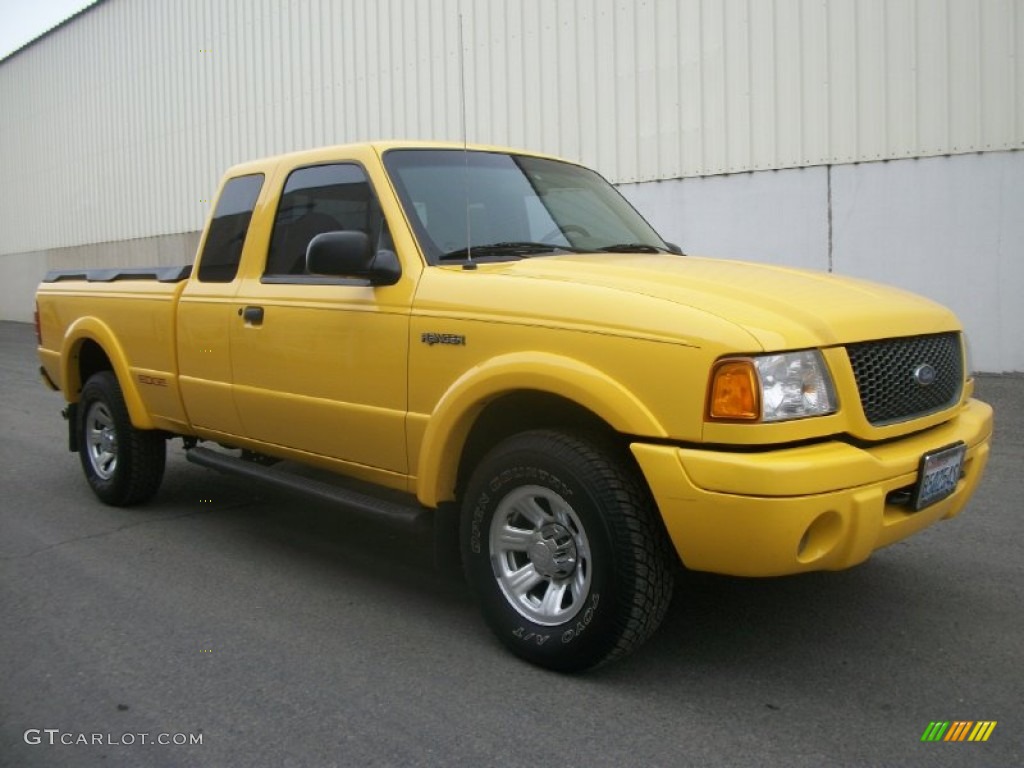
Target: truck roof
320 154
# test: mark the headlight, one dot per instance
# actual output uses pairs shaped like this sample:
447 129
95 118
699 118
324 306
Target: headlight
795 385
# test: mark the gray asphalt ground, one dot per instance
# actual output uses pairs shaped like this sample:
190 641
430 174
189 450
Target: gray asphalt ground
286 634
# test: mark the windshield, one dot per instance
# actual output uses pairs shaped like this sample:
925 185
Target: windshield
511 206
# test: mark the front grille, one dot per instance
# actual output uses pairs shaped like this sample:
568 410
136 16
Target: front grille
889 376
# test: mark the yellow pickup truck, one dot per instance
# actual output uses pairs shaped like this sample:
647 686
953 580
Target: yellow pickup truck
497 343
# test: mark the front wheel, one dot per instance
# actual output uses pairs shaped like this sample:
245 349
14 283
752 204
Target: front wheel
564 549
122 464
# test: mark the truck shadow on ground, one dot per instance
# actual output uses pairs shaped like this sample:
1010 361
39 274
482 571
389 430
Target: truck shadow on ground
309 529
815 622
813 632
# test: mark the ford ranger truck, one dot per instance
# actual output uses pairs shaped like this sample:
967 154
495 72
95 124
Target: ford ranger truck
497 343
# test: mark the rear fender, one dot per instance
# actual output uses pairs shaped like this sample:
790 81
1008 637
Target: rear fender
93 329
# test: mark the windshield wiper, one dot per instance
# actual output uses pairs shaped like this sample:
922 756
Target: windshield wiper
634 248
522 248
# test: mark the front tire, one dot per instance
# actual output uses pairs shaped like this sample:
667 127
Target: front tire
565 551
122 464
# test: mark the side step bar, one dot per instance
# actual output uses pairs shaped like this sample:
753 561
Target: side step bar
397 509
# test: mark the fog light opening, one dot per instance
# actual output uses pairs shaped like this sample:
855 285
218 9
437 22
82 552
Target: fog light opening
820 538
901 497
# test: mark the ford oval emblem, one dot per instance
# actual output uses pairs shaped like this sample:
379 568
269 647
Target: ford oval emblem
924 375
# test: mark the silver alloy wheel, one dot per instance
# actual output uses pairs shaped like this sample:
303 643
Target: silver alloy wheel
101 440
540 555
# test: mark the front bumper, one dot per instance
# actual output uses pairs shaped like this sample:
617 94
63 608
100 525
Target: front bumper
825 506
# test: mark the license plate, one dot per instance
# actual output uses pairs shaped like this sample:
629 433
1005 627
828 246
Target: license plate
939 473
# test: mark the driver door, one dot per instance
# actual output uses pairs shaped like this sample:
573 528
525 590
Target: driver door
320 363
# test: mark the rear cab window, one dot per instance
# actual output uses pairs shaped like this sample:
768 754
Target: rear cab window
228 228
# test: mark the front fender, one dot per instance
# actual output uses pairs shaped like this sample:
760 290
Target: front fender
93 329
453 417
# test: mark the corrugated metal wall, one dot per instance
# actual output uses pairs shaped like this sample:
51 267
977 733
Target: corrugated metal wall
118 124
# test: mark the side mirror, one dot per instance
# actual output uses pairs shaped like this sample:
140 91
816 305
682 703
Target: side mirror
674 248
349 254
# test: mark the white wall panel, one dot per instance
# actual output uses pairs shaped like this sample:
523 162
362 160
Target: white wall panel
118 124
773 218
946 227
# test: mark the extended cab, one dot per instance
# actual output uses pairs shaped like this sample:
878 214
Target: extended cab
497 341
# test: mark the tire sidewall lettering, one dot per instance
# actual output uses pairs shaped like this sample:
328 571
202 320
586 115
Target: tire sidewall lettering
537 635
581 622
530 635
523 475
476 522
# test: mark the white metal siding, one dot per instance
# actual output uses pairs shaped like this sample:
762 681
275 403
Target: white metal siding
118 124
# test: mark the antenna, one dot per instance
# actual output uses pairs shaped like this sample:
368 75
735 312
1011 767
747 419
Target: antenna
470 264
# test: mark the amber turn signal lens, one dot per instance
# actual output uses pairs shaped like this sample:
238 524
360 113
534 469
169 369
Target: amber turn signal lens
734 391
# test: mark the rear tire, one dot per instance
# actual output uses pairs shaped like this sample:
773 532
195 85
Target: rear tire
122 464
565 551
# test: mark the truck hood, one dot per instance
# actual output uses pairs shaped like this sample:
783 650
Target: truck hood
780 307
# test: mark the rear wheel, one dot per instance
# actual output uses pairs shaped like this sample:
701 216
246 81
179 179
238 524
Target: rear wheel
122 464
564 549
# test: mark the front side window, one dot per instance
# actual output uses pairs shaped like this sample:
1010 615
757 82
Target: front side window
222 251
496 205
322 198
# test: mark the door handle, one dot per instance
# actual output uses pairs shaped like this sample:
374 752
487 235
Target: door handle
252 315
